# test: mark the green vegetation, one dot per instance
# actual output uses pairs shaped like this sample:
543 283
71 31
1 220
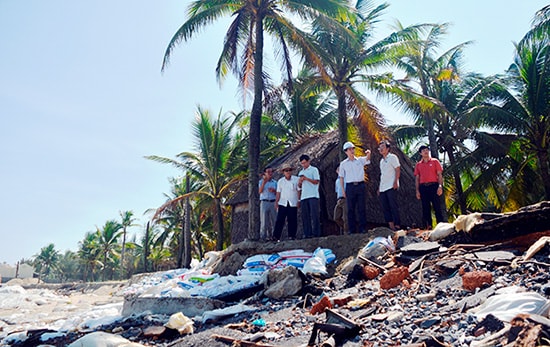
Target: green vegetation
492 133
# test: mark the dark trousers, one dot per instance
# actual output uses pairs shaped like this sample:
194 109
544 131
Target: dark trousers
289 214
388 200
355 198
310 217
429 198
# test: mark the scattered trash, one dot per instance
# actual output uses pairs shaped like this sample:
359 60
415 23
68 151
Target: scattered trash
181 323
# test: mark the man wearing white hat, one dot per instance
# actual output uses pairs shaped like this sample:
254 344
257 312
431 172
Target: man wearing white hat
287 201
352 182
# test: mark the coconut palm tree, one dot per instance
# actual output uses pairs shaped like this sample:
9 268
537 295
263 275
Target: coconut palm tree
519 104
172 220
47 260
217 163
452 128
68 266
89 255
540 25
243 54
107 242
349 60
127 220
298 108
428 76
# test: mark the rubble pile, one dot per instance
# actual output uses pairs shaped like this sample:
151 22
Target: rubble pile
412 288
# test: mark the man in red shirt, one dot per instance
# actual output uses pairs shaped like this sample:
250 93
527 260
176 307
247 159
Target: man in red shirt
429 186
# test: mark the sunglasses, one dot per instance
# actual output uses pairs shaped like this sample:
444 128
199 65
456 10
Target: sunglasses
287 170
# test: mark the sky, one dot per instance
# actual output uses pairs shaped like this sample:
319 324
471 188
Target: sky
83 100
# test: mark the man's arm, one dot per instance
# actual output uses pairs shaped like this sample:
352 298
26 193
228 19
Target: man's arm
440 181
342 186
397 174
277 197
417 185
262 185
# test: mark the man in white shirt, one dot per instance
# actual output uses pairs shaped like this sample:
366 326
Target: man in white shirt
309 198
287 201
352 182
390 170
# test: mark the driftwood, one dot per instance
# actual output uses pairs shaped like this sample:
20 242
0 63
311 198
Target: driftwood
527 220
239 342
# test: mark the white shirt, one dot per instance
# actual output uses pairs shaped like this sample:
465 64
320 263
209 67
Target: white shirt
387 171
288 190
353 170
310 190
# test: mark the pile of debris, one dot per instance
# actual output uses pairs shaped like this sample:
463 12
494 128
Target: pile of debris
453 286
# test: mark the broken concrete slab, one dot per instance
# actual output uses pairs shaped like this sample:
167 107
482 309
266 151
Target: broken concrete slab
420 248
190 307
526 220
491 256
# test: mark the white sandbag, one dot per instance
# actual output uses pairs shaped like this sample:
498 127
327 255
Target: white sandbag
102 339
316 264
506 306
441 231
215 315
465 222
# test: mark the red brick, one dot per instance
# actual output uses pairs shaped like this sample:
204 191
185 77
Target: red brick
394 277
475 279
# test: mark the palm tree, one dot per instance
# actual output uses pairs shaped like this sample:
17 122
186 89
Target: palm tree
298 108
243 53
452 128
428 76
541 24
89 255
216 165
107 241
68 266
519 103
126 221
172 221
349 59
47 260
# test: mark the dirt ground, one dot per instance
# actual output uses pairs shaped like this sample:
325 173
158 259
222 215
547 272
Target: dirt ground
343 247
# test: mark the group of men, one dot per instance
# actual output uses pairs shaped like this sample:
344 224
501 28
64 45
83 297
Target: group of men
280 199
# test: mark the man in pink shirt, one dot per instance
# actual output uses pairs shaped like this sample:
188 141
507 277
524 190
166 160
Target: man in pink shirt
429 186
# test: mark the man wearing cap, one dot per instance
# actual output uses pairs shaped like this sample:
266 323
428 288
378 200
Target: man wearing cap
287 201
267 189
352 182
429 186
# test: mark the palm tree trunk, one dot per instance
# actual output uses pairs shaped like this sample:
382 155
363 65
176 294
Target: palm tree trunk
146 248
254 137
187 227
104 272
458 182
181 239
544 171
431 137
219 243
181 242
342 120
122 252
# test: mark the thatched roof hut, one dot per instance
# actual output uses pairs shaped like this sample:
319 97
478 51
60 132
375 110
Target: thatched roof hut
324 151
